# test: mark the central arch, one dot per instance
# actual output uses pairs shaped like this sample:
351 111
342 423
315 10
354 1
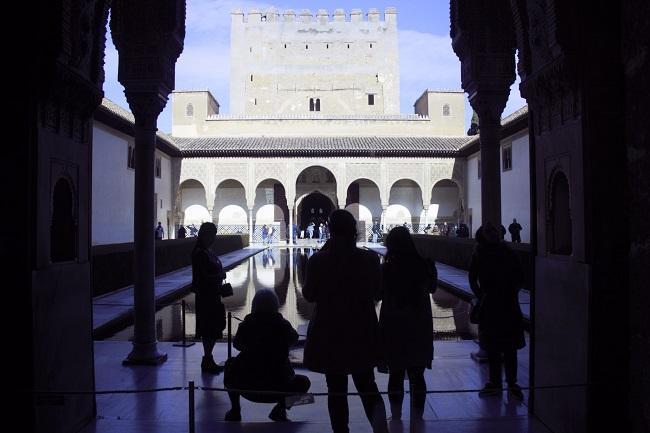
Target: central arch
314 208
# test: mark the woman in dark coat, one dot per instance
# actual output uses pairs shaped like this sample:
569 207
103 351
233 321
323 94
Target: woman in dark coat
405 322
496 276
263 339
207 277
342 338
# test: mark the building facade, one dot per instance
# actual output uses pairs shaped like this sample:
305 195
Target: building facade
286 162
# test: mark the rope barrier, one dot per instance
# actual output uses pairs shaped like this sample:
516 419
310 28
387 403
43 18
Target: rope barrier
315 394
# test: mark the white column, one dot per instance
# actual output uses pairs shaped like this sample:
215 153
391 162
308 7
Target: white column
290 227
250 226
383 218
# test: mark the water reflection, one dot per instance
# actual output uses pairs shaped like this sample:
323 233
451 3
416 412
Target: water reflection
283 270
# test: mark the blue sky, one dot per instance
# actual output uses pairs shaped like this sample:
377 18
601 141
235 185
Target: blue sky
427 60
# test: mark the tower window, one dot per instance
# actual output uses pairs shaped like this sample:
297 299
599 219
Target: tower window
189 110
285 45
306 46
371 99
370 45
348 45
158 168
327 46
251 78
478 172
446 110
314 104
506 156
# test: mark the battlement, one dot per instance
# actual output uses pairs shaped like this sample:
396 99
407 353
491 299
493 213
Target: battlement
322 16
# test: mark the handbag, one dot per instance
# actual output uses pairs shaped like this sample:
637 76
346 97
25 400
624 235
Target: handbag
225 290
475 311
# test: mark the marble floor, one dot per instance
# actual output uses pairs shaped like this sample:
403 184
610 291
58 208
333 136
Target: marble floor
167 411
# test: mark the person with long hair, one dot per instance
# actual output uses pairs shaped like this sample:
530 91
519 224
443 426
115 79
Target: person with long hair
207 277
495 275
405 320
343 280
263 339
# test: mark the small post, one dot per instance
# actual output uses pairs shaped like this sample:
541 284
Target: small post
229 334
184 342
191 408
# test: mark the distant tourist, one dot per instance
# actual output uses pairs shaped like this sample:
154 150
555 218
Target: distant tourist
263 339
427 229
343 280
159 232
182 233
269 237
405 320
265 233
495 277
207 278
310 230
462 231
515 230
376 231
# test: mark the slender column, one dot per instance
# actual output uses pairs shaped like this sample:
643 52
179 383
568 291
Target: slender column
290 227
250 225
383 218
490 171
145 349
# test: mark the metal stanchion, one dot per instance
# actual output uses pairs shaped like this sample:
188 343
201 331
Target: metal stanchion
191 407
183 342
229 334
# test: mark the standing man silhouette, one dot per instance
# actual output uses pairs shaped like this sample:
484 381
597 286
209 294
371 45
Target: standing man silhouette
342 338
160 232
515 230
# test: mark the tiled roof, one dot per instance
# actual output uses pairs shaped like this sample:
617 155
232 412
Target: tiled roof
320 146
127 116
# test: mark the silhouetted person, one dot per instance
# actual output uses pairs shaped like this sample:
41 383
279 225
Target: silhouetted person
263 339
515 230
265 233
159 232
462 231
182 233
207 278
405 322
502 232
342 337
496 275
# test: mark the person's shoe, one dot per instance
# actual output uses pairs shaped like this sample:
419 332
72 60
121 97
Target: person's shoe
515 390
209 366
232 415
278 414
490 389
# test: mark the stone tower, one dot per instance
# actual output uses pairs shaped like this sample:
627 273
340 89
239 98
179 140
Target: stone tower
300 65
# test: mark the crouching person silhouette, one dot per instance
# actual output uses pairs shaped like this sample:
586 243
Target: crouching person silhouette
263 339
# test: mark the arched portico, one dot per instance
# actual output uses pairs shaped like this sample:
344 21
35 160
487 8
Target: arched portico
406 193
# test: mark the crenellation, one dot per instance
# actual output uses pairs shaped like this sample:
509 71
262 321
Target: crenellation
373 15
272 15
254 16
306 16
356 15
322 16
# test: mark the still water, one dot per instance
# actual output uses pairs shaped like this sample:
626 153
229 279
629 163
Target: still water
283 271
